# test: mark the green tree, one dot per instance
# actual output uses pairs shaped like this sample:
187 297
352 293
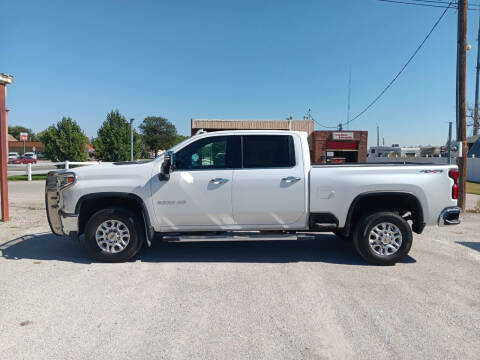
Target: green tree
16 130
64 141
113 139
179 138
158 133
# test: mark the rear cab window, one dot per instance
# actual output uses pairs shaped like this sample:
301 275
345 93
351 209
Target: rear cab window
268 151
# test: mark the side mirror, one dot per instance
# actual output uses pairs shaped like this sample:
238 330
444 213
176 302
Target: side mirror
167 166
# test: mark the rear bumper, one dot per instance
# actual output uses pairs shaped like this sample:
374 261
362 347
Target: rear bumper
449 216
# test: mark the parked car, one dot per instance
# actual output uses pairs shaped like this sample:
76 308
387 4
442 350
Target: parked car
249 184
24 160
32 154
41 156
13 155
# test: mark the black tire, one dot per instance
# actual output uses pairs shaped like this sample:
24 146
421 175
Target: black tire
130 220
361 238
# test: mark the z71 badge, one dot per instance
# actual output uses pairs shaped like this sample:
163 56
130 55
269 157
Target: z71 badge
172 202
431 171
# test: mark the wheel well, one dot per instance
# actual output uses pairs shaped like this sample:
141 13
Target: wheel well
87 207
401 203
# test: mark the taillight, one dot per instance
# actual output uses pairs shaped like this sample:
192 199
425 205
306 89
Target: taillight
454 175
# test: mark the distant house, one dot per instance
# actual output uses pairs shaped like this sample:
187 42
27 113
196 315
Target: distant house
90 151
20 146
393 151
475 149
472 140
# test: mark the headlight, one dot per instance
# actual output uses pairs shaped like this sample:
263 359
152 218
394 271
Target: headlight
66 180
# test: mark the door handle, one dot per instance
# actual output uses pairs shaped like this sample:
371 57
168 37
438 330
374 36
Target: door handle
217 181
290 179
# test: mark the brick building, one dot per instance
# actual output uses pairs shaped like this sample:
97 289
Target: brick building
325 146
217 125
30 146
339 146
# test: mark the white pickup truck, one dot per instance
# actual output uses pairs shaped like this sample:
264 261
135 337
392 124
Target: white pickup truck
249 184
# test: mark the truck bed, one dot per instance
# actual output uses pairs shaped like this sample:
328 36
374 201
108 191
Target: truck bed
333 186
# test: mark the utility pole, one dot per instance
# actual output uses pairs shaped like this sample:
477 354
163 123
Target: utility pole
475 113
131 139
4 81
461 111
378 136
449 144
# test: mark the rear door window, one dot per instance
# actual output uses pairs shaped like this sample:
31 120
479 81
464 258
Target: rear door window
268 151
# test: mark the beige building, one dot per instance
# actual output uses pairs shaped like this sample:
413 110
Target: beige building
222 124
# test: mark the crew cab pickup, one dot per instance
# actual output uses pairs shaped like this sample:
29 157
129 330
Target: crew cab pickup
249 184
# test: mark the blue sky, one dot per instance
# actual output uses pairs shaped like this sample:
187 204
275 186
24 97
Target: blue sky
234 60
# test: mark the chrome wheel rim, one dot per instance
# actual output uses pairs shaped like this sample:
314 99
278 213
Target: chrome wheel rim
112 236
385 238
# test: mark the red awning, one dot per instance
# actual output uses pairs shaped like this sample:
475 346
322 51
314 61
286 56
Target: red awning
342 145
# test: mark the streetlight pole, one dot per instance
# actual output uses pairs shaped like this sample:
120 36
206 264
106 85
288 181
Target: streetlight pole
131 139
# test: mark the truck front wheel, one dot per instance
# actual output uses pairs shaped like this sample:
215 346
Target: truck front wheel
382 238
113 235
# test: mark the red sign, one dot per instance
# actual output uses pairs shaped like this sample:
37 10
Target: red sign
342 145
23 136
337 161
342 136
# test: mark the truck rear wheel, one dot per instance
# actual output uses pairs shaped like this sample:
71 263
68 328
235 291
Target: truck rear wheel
113 235
382 238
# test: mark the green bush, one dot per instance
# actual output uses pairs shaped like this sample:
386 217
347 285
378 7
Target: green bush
64 141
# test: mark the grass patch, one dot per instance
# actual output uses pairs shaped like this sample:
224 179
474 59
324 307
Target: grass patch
24 177
473 188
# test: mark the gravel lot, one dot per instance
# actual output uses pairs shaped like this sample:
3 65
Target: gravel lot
247 300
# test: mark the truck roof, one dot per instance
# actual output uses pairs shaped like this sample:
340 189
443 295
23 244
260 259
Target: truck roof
259 132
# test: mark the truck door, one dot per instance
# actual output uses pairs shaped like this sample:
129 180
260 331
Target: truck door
199 190
269 189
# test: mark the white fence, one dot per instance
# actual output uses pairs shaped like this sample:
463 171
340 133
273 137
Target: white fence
41 169
473 166
473 169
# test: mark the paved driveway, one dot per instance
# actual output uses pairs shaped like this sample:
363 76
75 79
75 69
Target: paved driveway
247 300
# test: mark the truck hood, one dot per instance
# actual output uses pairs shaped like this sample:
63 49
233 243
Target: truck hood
118 170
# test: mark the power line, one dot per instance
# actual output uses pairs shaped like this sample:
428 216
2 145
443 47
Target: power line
434 1
430 3
442 2
412 3
323 126
401 70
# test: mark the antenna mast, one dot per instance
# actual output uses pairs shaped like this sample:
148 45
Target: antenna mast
349 95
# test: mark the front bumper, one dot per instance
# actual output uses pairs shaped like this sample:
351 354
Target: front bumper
61 223
449 216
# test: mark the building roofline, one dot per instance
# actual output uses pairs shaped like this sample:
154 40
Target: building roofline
247 120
